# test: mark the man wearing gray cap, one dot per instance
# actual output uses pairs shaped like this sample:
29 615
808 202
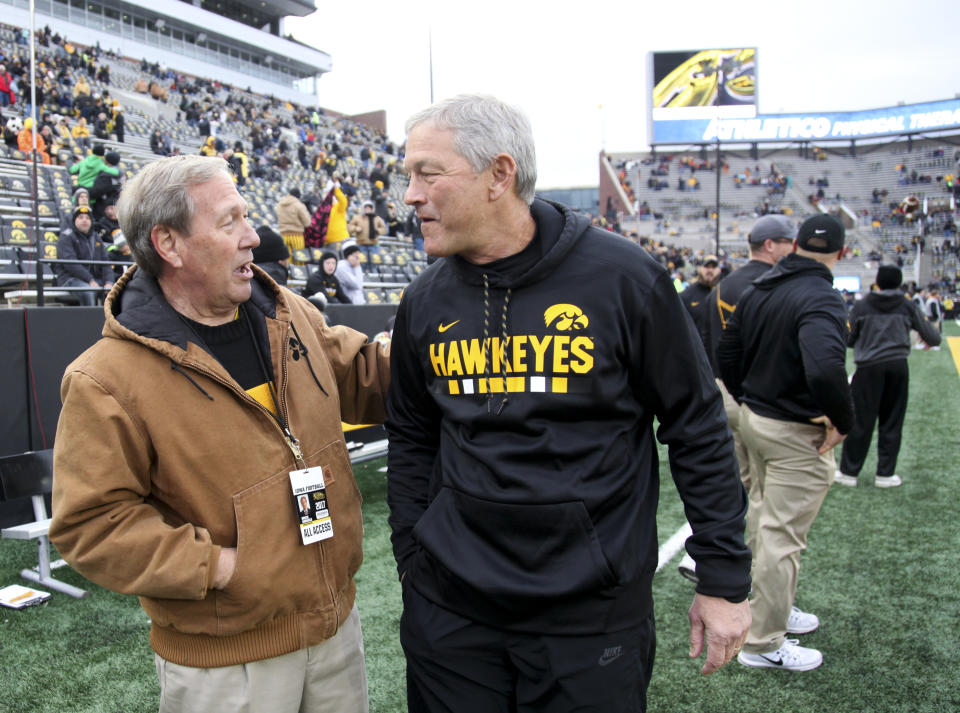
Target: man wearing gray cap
771 238
783 356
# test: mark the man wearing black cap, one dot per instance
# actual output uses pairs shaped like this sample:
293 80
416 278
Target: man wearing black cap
783 357
694 298
880 327
272 254
81 243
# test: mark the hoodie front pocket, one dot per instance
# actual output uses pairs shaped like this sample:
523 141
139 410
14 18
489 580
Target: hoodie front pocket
525 551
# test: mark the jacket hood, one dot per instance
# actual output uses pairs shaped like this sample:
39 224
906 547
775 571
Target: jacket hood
558 228
886 300
789 267
136 308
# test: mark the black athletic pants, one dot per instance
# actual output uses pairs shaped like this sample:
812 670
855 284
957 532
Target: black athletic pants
879 390
456 665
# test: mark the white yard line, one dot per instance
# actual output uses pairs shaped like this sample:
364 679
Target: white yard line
674 545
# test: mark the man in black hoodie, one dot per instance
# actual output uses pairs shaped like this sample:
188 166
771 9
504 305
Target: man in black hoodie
783 356
531 360
880 327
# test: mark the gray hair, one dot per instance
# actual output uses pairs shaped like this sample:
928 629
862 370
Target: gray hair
484 127
160 195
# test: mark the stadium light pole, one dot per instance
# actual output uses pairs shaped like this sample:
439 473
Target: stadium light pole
36 175
430 53
716 240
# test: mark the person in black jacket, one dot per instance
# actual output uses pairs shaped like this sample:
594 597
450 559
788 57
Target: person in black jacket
324 280
694 298
272 255
81 242
522 469
880 327
769 240
783 356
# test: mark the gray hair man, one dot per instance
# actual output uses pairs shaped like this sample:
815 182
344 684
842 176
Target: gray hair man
188 434
531 361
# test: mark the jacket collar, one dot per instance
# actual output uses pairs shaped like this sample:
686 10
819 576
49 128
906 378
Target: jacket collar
137 309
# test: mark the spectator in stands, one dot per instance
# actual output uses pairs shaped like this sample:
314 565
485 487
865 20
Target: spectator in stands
324 279
11 132
489 469
292 219
240 164
783 356
379 174
7 95
272 255
81 133
880 327
100 126
366 228
81 243
394 225
119 123
412 228
107 184
107 226
81 88
337 230
119 250
350 274
169 480
25 142
89 168
159 144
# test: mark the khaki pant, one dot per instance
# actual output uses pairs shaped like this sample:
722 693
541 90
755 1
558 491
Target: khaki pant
330 677
747 476
793 483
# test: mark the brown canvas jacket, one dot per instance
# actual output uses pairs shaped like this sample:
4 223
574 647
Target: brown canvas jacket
161 459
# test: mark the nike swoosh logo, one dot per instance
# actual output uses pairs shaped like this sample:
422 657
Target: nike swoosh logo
777 661
444 327
604 660
819 232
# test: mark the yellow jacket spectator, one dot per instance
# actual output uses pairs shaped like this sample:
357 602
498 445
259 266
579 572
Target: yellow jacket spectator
81 87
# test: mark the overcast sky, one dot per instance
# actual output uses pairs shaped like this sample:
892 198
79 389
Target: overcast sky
578 69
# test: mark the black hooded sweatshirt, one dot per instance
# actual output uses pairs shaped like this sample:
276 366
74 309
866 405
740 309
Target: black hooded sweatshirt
880 327
534 509
784 351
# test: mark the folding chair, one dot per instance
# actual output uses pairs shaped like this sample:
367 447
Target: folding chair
31 474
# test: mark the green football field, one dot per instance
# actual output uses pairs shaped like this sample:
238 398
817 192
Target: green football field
880 572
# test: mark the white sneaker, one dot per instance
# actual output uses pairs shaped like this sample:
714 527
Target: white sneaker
844 479
801 622
888 481
688 568
788 657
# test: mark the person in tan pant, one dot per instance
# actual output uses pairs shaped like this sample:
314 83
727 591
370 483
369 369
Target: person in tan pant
782 356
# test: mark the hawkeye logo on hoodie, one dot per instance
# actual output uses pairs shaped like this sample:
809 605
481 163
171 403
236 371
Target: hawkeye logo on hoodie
553 362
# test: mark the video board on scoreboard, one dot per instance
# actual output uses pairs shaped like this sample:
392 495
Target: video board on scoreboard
710 83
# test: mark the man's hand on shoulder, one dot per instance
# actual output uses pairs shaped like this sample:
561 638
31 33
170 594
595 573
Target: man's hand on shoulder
720 625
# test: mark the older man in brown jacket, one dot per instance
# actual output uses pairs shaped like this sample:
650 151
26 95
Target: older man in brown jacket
187 436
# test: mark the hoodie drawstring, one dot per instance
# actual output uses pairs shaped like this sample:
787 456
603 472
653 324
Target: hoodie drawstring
504 341
176 368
